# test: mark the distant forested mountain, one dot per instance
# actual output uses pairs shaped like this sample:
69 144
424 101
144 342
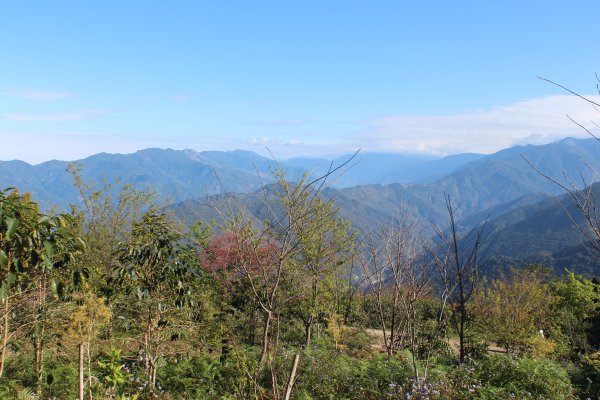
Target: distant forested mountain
480 182
524 222
548 232
174 174
505 187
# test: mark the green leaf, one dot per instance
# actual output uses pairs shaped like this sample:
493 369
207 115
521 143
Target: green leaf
3 259
11 227
49 249
4 291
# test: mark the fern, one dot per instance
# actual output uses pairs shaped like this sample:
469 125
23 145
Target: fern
26 394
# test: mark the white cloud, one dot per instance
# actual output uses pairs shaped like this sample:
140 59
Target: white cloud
41 95
79 115
535 121
261 141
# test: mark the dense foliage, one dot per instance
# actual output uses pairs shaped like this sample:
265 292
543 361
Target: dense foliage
118 301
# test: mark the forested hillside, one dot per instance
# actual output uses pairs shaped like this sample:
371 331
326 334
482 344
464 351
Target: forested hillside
280 299
551 232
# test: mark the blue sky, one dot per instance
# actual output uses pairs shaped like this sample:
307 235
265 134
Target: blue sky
314 78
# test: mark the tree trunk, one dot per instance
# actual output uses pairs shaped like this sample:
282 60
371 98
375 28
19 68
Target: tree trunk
5 322
153 373
292 379
38 340
461 327
265 340
39 362
81 371
308 331
4 336
290 384
413 344
89 357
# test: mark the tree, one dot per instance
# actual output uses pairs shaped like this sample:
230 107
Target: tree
90 314
54 247
514 308
279 254
154 273
399 277
107 215
18 215
581 193
32 246
457 261
325 246
577 304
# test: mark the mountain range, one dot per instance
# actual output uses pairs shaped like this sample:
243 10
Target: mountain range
180 175
506 188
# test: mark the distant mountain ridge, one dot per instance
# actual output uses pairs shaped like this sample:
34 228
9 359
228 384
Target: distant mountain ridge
502 187
185 174
174 174
474 182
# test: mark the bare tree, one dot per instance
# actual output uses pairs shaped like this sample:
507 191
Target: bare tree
457 263
580 193
399 277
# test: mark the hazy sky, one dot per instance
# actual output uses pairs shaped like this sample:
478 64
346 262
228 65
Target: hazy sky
300 77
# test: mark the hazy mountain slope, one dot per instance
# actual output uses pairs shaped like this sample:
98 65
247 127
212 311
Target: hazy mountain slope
176 175
364 168
476 184
49 183
486 186
505 176
545 232
432 170
489 214
385 168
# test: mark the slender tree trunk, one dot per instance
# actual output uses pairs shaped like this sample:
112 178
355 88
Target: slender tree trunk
461 326
148 357
89 357
413 344
39 336
5 322
4 335
81 371
154 364
39 363
265 339
308 331
154 375
290 384
296 363
393 327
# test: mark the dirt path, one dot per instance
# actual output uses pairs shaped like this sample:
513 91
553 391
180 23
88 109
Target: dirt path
378 344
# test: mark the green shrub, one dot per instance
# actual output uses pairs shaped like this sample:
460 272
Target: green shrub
60 381
208 377
330 374
501 376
